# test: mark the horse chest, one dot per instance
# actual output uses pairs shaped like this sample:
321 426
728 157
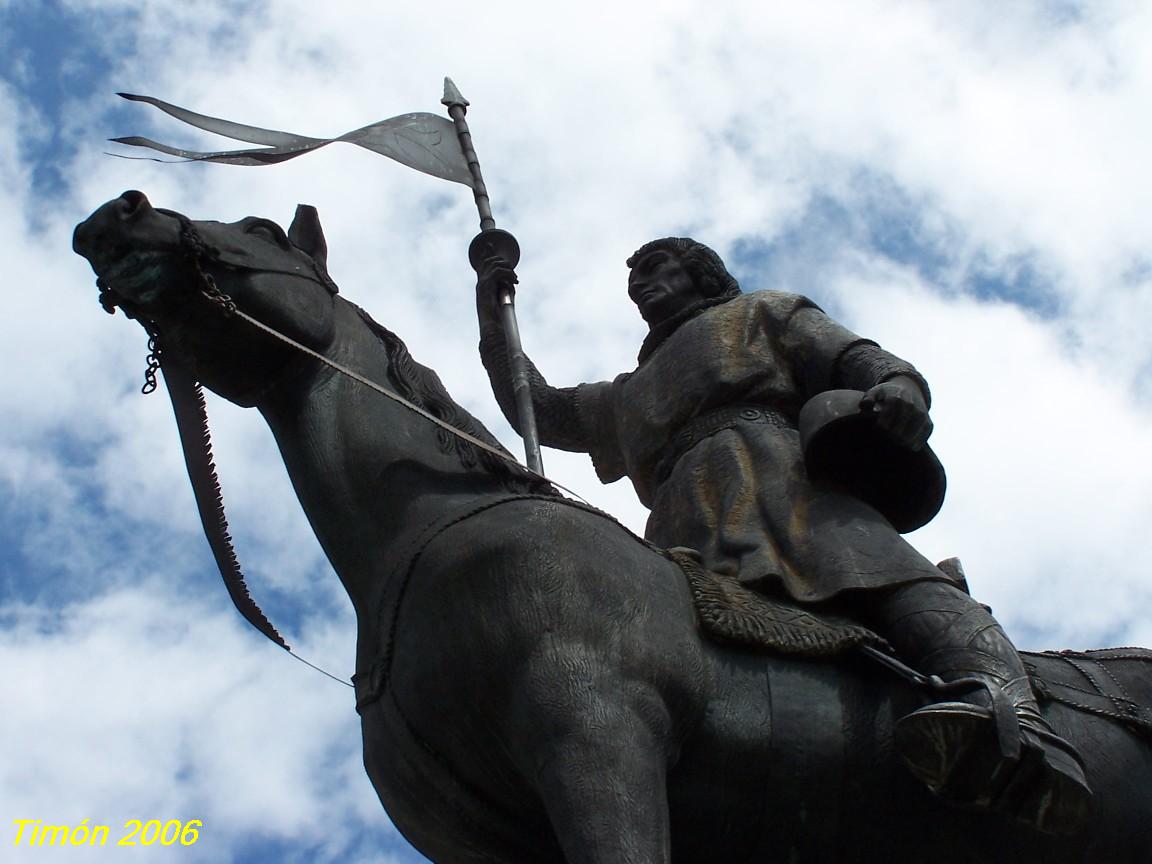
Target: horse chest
440 806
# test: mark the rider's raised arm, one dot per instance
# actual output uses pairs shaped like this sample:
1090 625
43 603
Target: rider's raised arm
557 418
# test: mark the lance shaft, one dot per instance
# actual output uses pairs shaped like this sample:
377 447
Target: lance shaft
490 242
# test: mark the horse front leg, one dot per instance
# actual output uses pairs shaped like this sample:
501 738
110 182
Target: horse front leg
597 753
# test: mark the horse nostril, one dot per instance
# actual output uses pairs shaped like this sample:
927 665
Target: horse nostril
133 203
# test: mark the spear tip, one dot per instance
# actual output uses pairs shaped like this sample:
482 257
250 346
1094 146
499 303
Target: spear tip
452 95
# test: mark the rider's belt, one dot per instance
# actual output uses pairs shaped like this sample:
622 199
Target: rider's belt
699 428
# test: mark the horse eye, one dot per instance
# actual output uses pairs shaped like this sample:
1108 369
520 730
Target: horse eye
268 232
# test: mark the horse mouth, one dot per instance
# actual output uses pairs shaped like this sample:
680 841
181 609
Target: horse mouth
129 245
134 274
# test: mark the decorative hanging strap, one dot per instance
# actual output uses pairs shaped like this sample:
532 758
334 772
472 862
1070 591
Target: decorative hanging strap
196 441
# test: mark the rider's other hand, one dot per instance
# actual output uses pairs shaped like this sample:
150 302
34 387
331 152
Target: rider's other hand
900 410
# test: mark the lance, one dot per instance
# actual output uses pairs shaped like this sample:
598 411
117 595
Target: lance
496 242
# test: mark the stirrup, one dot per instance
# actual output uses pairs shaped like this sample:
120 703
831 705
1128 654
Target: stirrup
953 748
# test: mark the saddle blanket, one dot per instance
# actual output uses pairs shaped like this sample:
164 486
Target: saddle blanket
729 612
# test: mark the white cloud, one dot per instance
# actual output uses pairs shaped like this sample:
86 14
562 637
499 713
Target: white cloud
1047 488
142 704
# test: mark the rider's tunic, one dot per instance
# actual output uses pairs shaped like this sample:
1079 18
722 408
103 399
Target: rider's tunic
706 429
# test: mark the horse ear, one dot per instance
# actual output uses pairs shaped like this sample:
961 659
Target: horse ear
306 234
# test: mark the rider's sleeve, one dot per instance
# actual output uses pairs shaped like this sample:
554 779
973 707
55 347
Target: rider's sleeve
867 364
826 355
596 412
557 419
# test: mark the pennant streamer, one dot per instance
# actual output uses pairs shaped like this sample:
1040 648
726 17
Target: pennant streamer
426 142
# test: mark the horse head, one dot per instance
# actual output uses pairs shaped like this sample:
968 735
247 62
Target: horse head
177 276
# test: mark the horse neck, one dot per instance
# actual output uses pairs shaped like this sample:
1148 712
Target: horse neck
367 470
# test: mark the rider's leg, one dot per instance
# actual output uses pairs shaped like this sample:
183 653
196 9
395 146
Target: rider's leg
954 747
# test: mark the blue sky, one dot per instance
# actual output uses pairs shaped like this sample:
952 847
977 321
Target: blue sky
965 183
55 56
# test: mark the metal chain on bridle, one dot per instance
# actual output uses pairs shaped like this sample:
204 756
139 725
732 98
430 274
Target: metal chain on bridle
153 361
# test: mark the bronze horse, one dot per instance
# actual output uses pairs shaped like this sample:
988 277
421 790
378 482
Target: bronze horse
531 679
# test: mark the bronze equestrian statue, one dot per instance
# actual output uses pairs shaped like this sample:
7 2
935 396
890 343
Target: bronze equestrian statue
532 679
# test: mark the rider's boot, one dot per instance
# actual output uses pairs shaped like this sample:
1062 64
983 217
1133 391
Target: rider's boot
991 747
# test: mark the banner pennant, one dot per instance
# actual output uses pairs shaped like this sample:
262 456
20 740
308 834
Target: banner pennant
426 142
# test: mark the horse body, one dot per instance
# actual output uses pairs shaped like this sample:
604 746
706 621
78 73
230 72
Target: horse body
531 680
761 759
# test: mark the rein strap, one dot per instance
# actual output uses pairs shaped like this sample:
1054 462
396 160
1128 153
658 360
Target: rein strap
397 398
196 442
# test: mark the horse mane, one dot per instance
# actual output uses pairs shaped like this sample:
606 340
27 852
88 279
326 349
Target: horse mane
422 387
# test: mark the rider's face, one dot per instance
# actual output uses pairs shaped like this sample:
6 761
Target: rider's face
661 287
